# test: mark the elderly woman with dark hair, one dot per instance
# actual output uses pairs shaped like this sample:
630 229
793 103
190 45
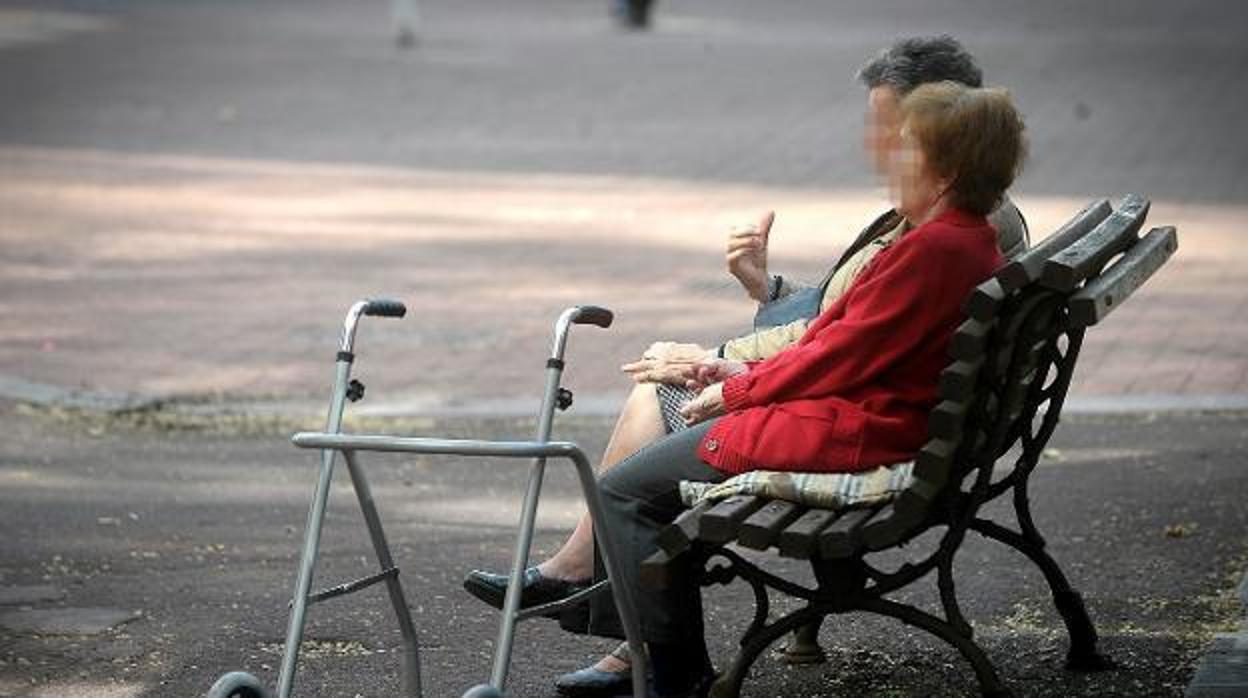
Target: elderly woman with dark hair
653 408
855 391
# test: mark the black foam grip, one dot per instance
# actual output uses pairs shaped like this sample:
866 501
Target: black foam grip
384 307
594 315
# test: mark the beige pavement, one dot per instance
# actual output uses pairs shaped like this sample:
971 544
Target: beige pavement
196 277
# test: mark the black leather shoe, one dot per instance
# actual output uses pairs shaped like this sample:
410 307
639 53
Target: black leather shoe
537 590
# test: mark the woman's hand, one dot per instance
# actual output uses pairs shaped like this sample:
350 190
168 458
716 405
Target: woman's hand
711 371
668 362
709 403
747 256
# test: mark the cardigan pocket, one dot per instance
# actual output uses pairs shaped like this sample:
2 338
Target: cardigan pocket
811 436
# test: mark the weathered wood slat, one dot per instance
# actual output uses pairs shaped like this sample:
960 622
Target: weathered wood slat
719 524
947 418
969 339
762 527
843 537
1028 265
678 536
985 300
1099 298
957 381
800 539
1085 257
895 521
935 460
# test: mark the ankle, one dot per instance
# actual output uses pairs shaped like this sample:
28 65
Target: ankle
613 664
556 569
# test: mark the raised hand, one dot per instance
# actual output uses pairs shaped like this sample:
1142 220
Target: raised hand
747 256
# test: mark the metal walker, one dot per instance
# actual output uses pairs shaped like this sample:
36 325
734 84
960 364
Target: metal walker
331 442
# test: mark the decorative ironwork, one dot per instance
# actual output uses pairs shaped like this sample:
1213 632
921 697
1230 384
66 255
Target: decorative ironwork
1019 394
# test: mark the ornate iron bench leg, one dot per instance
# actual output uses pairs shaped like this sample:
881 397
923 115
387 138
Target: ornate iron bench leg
989 683
728 685
1083 654
803 647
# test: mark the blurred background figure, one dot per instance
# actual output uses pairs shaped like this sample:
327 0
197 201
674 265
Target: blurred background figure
631 14
405 20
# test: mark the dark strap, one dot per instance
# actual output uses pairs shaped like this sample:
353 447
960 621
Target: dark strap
885 222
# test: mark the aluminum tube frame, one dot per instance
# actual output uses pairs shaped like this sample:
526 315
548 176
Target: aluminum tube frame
514 449
316 517
411 643
524 538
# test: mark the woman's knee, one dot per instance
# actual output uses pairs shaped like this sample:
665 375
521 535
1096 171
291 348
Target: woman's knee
641 408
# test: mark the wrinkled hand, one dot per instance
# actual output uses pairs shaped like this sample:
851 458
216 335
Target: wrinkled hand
667 362
709 403
747 256
712 371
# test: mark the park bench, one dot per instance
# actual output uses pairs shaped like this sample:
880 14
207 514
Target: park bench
1000 400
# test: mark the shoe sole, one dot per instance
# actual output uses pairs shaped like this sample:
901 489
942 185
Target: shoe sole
624 689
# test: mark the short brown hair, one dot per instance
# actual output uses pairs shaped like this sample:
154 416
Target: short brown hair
972 136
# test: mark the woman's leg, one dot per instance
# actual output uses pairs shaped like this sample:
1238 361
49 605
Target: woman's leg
640 423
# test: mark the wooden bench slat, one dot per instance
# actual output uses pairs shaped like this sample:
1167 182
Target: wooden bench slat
1028 265
1091 304
947 418
969 339
985 300
678 536
898 520
719 524
842 538
1083 258
762 527
800 539
935 460
957 381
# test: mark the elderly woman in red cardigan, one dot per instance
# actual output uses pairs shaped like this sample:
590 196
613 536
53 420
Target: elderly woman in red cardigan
854 393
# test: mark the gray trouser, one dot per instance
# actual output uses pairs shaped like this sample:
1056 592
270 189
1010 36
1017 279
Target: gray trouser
640 496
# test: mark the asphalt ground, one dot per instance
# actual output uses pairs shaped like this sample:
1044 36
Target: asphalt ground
197 528
192 193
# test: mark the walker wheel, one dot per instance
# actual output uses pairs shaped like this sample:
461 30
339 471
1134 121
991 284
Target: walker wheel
238 684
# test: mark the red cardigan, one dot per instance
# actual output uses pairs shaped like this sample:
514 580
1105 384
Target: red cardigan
855 391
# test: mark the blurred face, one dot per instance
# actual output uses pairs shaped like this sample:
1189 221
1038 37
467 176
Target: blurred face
917 192
883 125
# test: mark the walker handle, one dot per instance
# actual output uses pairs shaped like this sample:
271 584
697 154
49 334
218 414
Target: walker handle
593 315
384 307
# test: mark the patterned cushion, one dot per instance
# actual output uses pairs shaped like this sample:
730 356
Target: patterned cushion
823 490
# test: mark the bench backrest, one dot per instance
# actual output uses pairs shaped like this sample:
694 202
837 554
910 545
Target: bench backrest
1013 357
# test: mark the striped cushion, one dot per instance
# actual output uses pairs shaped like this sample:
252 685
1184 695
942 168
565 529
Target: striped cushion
822 490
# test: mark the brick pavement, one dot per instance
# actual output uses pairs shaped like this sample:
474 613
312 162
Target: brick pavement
193 194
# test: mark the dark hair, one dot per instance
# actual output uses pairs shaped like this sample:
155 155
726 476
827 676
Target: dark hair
973 137
921 59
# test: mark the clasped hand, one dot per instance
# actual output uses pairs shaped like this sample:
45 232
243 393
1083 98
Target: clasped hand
708 379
